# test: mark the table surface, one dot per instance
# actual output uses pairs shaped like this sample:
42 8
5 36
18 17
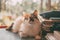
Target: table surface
6 35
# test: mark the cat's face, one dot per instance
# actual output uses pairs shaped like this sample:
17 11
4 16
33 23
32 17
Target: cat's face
31 17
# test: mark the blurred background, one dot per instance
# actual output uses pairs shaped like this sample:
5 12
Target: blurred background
11 9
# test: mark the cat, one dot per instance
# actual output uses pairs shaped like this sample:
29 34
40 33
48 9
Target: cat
31 27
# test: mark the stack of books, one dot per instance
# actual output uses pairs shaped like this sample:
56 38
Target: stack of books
53 36
57 35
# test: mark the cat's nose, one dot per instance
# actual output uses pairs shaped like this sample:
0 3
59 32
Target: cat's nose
31 19
26 18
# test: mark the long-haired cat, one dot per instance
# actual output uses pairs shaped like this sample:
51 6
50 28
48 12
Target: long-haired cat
30 27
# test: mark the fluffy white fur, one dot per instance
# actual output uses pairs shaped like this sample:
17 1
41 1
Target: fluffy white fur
29 29
17 24
26 28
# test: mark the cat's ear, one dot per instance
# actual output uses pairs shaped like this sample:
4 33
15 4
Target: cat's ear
26 14
35 12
